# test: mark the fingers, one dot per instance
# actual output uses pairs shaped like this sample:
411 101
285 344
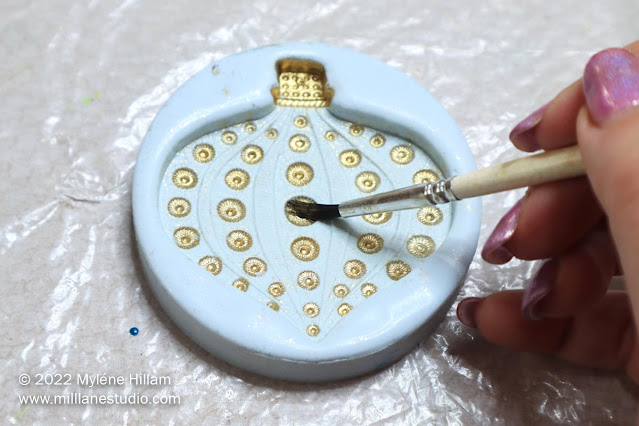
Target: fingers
608 132
553 125
550 126
603 337
573 282
550 219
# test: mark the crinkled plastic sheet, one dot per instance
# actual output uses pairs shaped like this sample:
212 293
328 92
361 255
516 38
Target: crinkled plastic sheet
80 83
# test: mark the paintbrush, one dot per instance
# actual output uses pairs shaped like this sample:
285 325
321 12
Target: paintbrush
533 170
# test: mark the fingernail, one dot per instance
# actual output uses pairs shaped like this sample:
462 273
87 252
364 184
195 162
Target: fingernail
538 289
611 83
494 250
466 311
524 135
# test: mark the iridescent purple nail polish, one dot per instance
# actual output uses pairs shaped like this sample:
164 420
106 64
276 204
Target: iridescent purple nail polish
523 135
466 311
538 289
611 83
494 250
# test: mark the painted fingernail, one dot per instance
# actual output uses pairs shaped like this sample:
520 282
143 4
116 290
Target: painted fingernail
538 289
611 83
524 135
466 311
494 250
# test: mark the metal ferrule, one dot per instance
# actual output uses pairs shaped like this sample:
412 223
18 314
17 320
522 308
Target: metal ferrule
412 197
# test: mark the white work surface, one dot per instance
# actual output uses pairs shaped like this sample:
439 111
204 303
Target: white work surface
80 82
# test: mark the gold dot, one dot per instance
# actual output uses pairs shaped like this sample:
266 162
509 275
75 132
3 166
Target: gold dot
241 284
239 240
340 290
273 305
271 133
396 269
184 178
311 309
276 289
254 267
252 154
368 289
186 238
356 129
308 280
229 137
330 135
299 143
378 140
343 309
354 269
424 176
249 127
370 243
237 179
402 154
295 219
377 218
203 153
211 264
420 246
430 215
350 158
179 207
231 210
299 174
305 249
300 121
312 330
367 181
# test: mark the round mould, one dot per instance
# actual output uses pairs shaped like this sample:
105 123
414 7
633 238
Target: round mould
274 294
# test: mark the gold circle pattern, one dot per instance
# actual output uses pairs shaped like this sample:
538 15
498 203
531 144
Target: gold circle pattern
254 267
354 269
311 309
276 289
370 243
203 153
252 154
368 289
377 218
237 179
239 240
350 158
184 178
367 181
299 174
396 269
231 210
186 238
299 143
179 207
420 246
308 280
305 249
211 264
228 137
430 215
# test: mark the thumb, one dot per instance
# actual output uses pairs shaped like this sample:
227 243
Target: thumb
608 135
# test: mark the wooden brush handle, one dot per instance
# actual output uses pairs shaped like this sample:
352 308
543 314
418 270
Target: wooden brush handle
536 169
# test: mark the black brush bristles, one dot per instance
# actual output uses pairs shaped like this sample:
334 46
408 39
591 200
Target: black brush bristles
313 211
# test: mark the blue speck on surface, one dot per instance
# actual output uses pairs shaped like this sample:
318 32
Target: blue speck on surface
134 331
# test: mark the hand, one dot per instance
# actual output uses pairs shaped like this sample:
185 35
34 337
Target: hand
588 228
